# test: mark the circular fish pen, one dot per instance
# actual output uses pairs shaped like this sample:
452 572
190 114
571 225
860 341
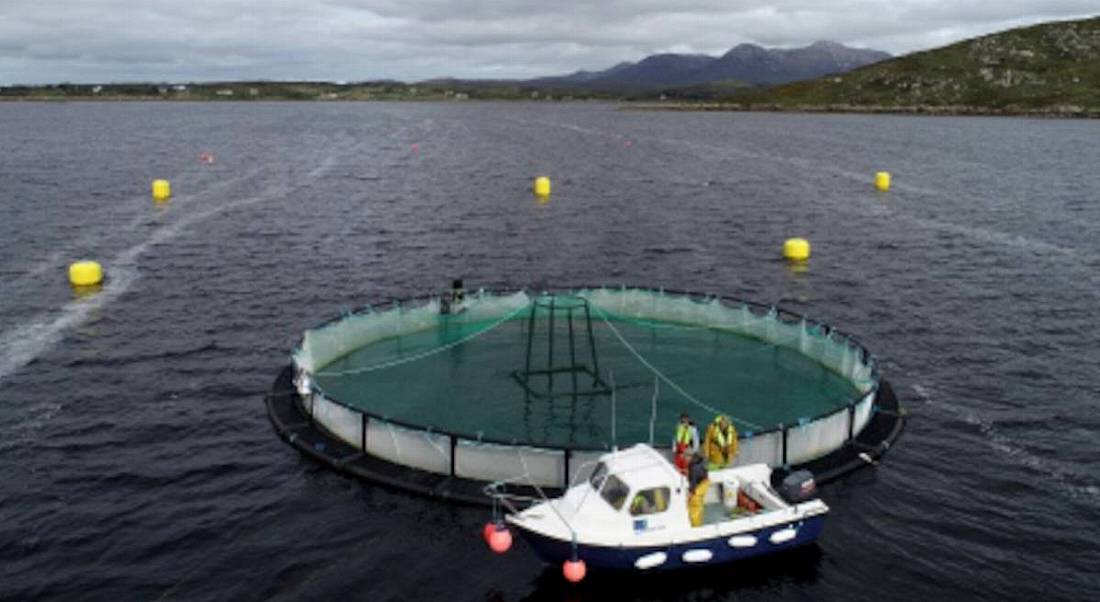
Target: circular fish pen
501 385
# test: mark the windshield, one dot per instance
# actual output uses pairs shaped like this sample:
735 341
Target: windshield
614 491
598 475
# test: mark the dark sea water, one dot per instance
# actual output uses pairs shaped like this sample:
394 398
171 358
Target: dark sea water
137 462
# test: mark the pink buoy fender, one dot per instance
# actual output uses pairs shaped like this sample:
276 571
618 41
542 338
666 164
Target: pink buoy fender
574 570
500 539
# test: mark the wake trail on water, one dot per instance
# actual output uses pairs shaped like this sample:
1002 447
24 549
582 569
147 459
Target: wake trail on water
1007 448
984 234
23 344
56 259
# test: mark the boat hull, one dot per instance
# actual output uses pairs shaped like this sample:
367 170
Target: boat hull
700 553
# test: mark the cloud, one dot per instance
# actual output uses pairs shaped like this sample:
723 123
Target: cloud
168 40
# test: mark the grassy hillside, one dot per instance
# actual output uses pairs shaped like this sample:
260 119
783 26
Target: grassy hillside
1050 68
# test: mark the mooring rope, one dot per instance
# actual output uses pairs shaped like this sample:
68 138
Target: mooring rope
662 376
424 354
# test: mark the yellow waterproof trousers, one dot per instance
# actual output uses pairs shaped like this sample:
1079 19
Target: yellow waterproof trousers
695 503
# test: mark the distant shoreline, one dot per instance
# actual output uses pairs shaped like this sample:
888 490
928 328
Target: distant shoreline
689 107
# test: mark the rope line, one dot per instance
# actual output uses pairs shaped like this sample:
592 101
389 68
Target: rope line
662 376
791 343
424 354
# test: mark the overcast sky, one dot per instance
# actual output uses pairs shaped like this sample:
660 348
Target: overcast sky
191 40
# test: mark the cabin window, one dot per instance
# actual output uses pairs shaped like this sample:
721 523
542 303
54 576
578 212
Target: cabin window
614 491
650 501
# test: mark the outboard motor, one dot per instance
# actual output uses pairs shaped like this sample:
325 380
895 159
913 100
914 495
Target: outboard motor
798 486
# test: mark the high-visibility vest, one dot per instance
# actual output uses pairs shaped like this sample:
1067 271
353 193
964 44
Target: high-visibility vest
683 434
723 440
721 437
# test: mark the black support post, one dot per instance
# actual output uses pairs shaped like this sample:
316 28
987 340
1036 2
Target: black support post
785 431
550 354
363 432
592 346
568 455
530 333
454 446
572 352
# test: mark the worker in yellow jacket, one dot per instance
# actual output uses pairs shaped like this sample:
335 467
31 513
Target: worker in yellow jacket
720 443
698 484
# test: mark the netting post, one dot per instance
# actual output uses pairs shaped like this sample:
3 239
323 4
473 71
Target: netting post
550 354
568 454
653 410
530 342
572 353
592 345
363 432
785 431
614 402
454 446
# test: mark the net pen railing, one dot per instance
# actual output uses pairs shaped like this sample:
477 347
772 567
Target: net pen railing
839 352
481 459
473 456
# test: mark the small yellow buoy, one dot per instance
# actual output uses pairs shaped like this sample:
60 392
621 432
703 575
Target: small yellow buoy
796 249
162 190
542 186
85 273
882 181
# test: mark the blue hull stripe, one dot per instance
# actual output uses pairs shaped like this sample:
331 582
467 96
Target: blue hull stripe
555 551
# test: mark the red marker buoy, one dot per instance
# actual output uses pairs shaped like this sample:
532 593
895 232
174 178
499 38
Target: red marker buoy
487 531
574 570
500 540
206 158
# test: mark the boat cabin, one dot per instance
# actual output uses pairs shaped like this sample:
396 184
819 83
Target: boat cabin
639 490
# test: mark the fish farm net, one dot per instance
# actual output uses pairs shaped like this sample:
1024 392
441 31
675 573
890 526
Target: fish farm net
502 384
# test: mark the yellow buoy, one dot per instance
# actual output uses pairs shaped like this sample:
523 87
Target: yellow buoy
542 186
796 249
882 181
85 273
162 190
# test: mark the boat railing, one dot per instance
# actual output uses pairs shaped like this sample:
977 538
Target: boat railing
508 500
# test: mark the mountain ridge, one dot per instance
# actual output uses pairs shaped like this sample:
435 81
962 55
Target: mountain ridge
746 63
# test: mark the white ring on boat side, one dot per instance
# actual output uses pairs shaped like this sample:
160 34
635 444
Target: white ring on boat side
650 560
783 535
694 556
742 541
